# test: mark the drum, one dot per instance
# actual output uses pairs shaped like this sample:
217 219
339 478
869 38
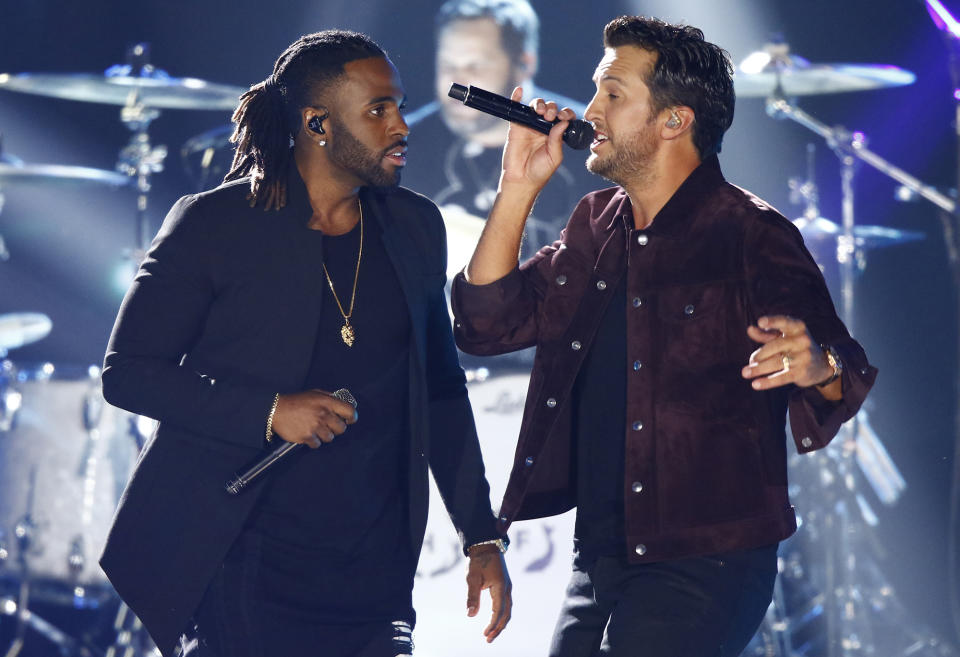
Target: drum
65 456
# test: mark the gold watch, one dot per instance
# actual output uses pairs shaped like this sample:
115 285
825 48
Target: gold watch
833 360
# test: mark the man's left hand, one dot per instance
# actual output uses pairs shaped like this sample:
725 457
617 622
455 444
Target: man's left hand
487 570
788 355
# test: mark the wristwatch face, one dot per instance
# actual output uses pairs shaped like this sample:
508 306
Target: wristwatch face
832 360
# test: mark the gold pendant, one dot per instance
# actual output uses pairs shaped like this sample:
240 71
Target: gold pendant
347 334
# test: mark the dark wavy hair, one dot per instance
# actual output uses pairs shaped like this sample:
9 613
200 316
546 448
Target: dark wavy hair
688 71
268 115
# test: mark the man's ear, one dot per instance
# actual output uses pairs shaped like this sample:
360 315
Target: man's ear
678 121
313 118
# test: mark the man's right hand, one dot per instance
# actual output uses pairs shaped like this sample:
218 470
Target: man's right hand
312 417
530 157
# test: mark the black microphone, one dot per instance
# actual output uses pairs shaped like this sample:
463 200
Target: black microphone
238 483
578 135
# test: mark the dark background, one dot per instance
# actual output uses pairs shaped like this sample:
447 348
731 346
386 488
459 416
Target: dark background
68 245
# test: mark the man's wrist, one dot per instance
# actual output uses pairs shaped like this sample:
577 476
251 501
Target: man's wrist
833 360
493 545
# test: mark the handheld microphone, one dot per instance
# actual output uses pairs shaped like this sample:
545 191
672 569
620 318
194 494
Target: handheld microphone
238 483
578 135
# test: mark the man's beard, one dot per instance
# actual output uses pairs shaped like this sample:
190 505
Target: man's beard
350 154
631 162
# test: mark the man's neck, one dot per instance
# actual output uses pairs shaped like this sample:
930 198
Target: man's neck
648 196
333 195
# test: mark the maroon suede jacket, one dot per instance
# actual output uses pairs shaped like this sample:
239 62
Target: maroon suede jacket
705 454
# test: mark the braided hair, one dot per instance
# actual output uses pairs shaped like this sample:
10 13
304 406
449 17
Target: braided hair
268 115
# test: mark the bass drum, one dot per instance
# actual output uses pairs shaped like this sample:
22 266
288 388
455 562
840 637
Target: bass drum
65 456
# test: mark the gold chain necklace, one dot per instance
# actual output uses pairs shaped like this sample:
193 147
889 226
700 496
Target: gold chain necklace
347 333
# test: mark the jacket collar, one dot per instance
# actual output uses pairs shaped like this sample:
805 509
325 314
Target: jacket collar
676 216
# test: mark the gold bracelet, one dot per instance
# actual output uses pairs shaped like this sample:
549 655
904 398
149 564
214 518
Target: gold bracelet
273 410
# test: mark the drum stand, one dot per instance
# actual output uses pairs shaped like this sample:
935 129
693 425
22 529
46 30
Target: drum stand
66 645
859 605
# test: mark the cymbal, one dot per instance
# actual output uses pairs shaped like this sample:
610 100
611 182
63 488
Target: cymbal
57 174
19 329
158 90
774 72
865 237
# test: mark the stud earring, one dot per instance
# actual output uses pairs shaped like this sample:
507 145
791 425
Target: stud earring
321 142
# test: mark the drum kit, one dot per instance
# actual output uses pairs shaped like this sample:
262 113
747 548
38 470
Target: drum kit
831 596
65 455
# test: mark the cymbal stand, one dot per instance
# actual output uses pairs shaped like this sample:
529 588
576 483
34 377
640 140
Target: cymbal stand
850 598
4 253
140 159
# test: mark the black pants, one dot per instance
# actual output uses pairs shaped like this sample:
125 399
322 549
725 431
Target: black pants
232 621
696 607
371 640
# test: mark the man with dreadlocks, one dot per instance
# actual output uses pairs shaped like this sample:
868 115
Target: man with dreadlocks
308 270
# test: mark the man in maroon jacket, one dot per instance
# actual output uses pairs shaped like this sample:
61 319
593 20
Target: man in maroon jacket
676 321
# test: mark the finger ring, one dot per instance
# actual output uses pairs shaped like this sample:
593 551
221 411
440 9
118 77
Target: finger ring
786 359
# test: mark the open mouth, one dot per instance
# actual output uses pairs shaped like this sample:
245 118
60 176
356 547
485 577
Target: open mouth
598 139
397 155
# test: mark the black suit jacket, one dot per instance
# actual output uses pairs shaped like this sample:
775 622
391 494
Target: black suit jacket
222 315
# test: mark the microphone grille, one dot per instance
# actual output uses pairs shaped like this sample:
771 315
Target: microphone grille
579 134
344 395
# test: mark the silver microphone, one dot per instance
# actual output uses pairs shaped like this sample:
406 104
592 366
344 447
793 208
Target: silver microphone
239 482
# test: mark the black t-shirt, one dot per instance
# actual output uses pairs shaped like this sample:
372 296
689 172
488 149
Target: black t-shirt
599 424
333 522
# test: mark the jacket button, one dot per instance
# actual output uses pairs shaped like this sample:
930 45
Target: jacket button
551 402
575 345
637 425
503 518
642 239
637 302
806 442
637 365
561 279
641 549
688 309
528 461
637 487
601 285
